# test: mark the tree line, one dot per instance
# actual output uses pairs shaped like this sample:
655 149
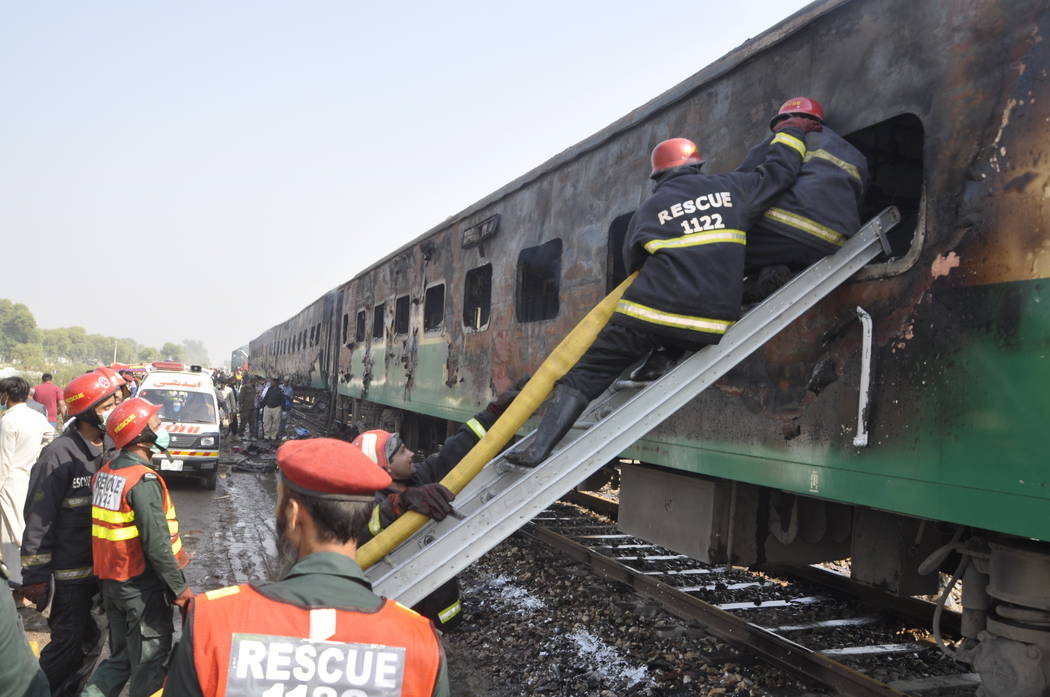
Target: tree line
68 351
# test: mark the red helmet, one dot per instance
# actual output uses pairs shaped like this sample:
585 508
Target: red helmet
674 152
113 375
88 390
129 420
379 446
799 105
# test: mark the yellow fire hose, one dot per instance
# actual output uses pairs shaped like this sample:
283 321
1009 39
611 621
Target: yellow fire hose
564 356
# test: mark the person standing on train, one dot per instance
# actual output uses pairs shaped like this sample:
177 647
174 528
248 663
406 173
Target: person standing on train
686 242
417 487
816 215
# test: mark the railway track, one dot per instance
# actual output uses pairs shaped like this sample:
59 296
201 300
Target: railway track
851 639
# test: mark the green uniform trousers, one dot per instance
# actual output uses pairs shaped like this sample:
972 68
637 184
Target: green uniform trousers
140 639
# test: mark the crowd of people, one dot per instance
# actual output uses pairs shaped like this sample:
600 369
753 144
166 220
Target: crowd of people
89 532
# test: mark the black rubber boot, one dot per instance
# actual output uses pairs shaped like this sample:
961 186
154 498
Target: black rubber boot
659 362
564 407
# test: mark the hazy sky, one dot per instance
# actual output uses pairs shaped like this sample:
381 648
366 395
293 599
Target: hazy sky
204 170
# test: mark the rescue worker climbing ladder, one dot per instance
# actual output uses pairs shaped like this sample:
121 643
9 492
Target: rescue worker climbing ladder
819 212
687 243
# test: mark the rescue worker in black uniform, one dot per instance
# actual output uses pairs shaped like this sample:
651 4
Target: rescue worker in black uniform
416 487
321 629
816 215
687 243
57 538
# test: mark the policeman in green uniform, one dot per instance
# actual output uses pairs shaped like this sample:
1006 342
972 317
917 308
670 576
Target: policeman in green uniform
322 612
20 674
137 555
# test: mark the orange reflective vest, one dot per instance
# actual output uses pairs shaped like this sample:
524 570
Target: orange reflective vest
115 544
246 644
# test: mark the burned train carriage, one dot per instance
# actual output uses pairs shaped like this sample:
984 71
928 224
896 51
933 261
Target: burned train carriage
949 102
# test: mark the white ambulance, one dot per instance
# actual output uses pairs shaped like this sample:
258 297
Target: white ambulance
189 409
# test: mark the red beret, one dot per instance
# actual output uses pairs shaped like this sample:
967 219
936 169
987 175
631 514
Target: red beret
330 469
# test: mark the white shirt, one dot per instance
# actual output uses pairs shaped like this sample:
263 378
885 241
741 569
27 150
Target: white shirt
23 432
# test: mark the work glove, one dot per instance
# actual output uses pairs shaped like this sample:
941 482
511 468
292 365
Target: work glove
183 600
807 125
432 500
36 593
498 405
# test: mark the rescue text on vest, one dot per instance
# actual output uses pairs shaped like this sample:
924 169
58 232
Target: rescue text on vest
106 493
277 666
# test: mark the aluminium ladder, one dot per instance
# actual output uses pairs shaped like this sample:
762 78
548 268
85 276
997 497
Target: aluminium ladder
504 497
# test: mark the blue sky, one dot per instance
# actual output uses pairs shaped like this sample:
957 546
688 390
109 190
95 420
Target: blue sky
203 170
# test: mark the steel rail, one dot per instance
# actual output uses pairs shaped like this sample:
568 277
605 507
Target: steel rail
724 625
906 608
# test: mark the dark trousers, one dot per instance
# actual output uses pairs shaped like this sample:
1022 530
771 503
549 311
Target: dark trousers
77 623
248 422
766 248
234 430
617 348
140 638
442 607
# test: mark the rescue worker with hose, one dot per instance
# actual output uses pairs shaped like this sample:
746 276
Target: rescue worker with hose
138 555
687 243
57 539
816 215
321 625
417 487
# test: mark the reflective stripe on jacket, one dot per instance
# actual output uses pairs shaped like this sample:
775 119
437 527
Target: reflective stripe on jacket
687 243
318 645
822 208
115 544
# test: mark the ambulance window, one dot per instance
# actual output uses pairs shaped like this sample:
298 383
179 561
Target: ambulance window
615 270
894 150
477 297
539 274
359 332
378 320
346 326
401 315
434 307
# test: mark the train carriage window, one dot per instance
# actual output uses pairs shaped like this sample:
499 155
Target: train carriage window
401 306
615 270
434 307
539 275
359 331
346 326
477 297
378 320
894 150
